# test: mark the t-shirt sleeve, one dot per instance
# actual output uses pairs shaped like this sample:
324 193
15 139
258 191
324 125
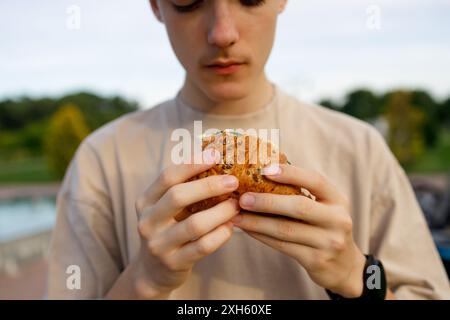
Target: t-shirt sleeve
400 237
84 257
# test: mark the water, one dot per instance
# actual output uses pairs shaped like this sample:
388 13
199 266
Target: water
24 217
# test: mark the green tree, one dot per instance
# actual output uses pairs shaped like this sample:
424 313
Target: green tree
406 136
66 131
444 113
17 114
330 104
98 110
425 102
362 104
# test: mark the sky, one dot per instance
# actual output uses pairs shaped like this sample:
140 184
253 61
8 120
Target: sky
323 48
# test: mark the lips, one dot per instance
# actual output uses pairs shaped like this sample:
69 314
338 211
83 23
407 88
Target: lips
223 63
225 67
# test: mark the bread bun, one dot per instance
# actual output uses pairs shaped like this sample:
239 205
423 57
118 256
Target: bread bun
258 154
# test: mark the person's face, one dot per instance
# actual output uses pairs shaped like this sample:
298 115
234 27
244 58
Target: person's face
207 32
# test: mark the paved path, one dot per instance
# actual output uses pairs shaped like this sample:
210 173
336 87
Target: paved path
28 191
28 283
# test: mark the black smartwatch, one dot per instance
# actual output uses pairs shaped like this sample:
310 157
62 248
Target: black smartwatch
374 282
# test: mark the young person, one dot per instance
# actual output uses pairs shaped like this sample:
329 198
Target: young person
120 194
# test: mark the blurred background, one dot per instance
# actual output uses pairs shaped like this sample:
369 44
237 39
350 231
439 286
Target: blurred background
68 67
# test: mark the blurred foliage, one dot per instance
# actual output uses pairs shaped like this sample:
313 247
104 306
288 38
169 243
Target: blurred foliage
423 101
443 113
26 170
98 111
23 143
406 122
436 159
362 104
25 125
66 131
416 122
330 104
17 114
418 131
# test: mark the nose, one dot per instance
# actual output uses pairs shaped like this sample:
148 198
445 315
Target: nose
222 30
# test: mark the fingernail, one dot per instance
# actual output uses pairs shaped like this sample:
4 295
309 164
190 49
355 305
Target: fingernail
211 156
237 219
230 181
248 200
271 170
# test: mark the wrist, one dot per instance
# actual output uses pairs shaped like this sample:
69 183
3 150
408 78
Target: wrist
374 283
353 286
130 285
144 288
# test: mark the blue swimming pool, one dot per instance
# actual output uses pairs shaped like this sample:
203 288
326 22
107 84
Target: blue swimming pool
25 216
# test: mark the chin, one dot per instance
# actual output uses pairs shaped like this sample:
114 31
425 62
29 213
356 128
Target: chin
226 91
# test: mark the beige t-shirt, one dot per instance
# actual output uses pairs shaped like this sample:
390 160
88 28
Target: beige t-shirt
96 227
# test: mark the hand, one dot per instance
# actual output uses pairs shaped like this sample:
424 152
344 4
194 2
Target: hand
317 234
169 249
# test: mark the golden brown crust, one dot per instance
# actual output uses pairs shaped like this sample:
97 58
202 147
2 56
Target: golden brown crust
245 166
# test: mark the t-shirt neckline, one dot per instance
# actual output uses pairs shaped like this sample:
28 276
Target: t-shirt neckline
269 106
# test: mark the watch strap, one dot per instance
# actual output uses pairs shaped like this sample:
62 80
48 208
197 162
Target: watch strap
368 293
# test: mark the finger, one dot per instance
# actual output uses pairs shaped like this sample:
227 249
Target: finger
196 225
282 229
193 251
184 194
311 180
175 174
303 254
293 206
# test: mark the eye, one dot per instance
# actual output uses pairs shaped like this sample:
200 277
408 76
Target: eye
187 8
252 3
196 4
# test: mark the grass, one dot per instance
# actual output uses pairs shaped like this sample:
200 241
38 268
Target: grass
24 171
435 160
